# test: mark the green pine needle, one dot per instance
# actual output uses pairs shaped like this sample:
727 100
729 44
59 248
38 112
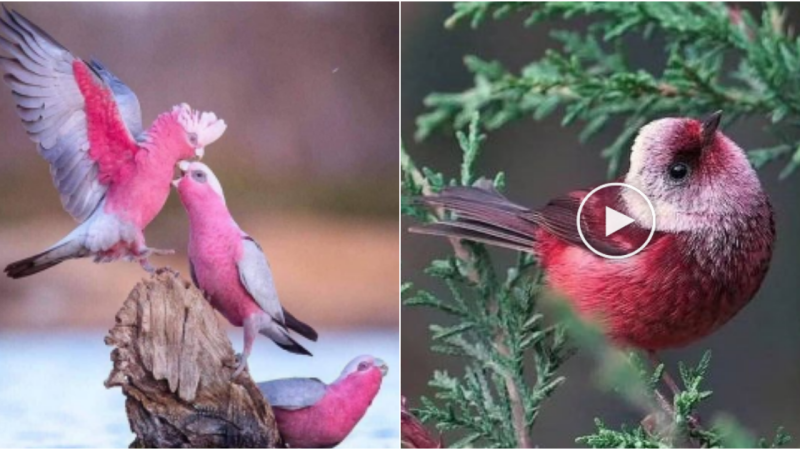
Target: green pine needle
588 79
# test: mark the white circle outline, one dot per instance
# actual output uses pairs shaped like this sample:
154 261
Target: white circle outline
599 253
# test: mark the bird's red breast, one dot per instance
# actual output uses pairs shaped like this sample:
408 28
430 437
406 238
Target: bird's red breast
680 288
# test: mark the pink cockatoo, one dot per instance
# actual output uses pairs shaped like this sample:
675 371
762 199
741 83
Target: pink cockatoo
312 414
113 176
230 267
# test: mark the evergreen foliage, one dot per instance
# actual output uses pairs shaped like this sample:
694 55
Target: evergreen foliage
718 58
497 327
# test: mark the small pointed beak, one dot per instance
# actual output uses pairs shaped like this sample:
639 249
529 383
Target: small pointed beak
709 127
183 166
382 366
200 152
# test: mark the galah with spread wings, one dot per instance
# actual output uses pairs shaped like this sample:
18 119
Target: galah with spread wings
230 267
312 414
113 176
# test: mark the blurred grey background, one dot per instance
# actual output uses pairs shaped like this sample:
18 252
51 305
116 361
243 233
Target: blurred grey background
308 162
755 370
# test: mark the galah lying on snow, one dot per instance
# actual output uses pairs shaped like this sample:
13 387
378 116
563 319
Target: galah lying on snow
312 414
230 267
113 177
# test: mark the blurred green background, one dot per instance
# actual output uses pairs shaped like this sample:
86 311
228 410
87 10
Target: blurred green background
308 163
755 371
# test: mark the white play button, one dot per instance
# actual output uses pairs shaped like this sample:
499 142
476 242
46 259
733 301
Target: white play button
616 221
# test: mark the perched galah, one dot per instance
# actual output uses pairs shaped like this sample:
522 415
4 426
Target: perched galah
230 267
312 414
113 177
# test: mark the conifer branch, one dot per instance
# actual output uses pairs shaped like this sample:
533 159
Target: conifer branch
591 81
497 326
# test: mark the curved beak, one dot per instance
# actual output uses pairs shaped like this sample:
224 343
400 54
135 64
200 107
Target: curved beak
200 152
183 166
380 364
709 127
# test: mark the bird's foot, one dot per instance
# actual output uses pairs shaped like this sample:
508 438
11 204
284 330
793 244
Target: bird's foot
653 423
241 364
167 269
665 376
148 251
665 405
145 263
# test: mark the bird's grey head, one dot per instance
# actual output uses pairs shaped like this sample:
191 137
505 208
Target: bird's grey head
200 174
364 363
690 171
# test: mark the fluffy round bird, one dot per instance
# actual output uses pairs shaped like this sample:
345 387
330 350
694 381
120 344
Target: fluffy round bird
112 175
709 254
312 414
230 268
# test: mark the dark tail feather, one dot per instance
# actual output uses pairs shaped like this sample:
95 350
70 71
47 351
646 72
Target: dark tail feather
301 328
482 215
28 266
460 231
43 261
293 347
280 336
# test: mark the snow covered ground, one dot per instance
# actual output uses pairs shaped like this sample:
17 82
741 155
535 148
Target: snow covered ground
52 394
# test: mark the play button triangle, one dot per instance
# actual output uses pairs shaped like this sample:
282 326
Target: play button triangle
616 221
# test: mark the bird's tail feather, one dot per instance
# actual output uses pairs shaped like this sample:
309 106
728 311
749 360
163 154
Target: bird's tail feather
481 215
301 328
294 347
45 260
280 336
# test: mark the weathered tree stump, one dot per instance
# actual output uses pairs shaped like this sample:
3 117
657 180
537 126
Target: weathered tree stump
174 363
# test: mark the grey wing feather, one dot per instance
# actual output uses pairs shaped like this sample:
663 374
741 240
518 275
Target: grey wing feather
127 102
256 277
52 108
293 393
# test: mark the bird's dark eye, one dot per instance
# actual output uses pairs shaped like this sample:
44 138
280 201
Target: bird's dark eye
362 366
193 139
199 176
679 171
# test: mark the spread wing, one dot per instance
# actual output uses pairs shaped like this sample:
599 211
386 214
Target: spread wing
127 103
82 117
293 393
256 277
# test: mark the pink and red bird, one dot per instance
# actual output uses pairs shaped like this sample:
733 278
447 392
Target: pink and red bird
312 414
230 267
113 176
710 251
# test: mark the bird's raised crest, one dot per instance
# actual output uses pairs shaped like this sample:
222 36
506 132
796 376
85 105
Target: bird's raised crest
205 125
